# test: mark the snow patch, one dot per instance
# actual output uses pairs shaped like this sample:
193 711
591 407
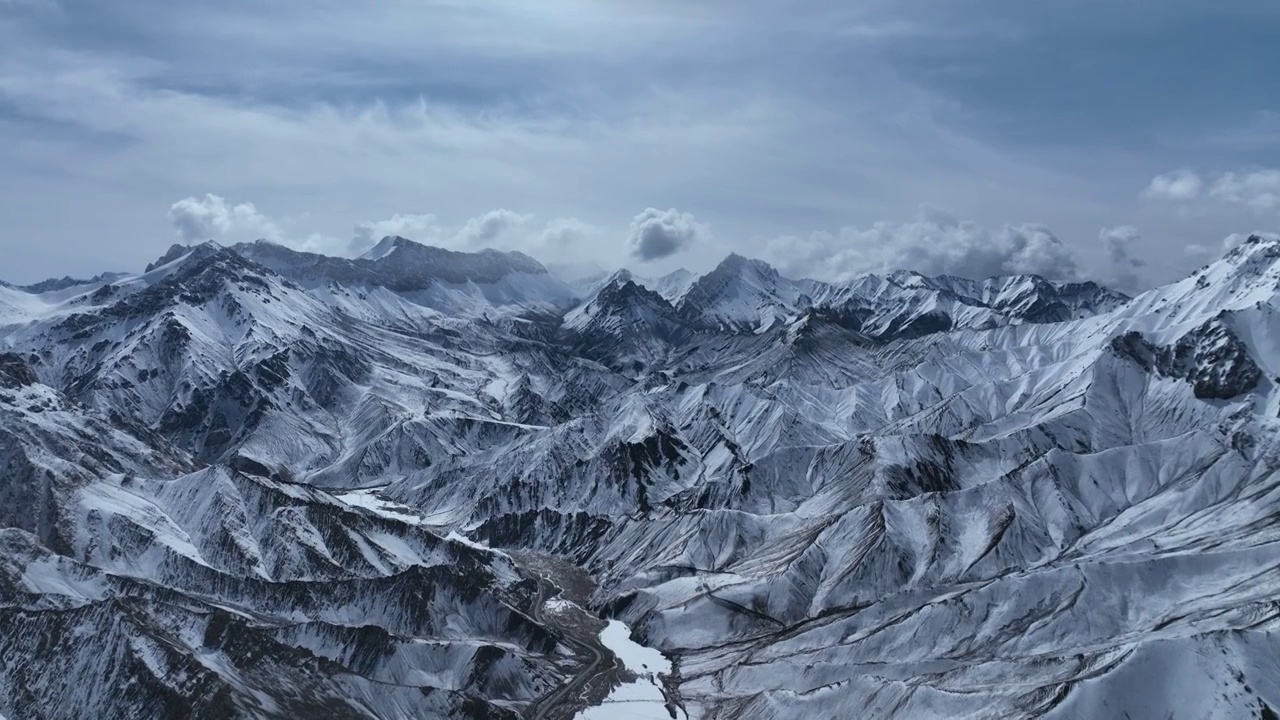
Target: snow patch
373 502
48 576
556 606
639 700
385 247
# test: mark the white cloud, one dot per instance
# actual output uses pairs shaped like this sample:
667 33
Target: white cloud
322 244
1123 271
211 217
1233 241
487 229
1256 189
325 159
1259 189
1197 251
657 234
310 111
421 228
935 243
1176 186
498 229
557 238
562 233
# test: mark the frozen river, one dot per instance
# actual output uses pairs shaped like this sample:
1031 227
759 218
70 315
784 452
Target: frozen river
639 700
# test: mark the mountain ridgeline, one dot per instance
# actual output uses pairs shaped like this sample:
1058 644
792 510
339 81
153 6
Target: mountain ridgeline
252 482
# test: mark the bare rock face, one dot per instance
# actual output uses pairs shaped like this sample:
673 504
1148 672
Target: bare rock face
1211 358
256 483
15 372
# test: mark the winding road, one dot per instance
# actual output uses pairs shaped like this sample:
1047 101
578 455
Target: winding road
566 701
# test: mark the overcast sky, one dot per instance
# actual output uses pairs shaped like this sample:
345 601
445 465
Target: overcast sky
1123 141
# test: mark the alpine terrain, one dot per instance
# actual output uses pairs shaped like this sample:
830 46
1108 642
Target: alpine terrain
251 482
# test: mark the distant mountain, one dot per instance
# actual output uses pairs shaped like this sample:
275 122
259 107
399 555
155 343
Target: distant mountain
252 482
65 282
395 262
441 279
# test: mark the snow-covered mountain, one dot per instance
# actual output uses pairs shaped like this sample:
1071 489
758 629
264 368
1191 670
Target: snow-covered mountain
451 282
255 482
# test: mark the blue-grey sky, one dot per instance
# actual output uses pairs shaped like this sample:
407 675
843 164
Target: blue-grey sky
1082 138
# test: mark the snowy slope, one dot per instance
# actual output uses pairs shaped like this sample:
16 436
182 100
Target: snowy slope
252 482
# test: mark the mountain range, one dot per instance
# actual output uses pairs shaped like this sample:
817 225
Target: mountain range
253 482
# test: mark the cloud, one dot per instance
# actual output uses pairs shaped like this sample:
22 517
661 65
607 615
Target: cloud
562 233
498 229
579 111
657 234
505 230
1035 250
486 229
212 217
1123 270
1176 186
422 228
1259 189
935 243
1256 189
321 244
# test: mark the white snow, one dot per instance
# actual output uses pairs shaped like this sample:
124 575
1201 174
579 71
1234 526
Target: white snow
639 700
385 247
18 307
47 575
514 293
101 500
558 605
457 537
378 505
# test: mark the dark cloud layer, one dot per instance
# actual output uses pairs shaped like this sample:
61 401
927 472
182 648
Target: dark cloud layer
1124 271
657 234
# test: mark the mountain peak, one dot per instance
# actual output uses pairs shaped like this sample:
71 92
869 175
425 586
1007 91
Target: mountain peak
743 295
414 261
738 264
620 277
1247 274
385 247
1250 247
178 250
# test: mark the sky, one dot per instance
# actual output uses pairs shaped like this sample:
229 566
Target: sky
1122 142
